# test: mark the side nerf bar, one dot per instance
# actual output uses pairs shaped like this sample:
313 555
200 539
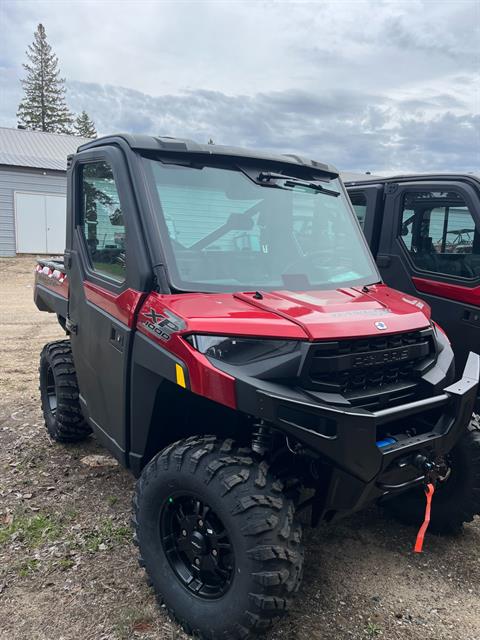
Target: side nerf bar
348 436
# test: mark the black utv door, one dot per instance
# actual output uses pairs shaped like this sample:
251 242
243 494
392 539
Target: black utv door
104 283
430 248
367 202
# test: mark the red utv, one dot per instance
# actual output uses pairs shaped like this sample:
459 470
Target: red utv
230 340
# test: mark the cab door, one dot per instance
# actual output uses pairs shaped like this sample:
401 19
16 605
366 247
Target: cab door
105 287
367 201
430 241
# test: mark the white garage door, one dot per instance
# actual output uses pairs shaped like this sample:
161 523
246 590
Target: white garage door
40 222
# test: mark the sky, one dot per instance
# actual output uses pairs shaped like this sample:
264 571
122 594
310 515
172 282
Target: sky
374 86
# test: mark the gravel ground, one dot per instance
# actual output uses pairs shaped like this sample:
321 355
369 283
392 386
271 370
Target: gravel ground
68 569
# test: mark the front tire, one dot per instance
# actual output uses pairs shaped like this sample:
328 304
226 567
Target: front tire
217 538
59 394
456 500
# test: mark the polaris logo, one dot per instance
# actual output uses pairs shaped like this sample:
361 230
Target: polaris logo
380 325
376 359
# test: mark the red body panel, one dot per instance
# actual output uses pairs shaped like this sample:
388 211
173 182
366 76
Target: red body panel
468 295
223 313
204 378
123 306
345 313
307 315
311 315
296 315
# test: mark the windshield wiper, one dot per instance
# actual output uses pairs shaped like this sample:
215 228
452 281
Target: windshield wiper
265 177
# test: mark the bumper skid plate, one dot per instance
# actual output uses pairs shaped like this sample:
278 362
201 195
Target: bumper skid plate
348 437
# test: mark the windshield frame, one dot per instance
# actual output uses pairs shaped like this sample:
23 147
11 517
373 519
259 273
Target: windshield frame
247 168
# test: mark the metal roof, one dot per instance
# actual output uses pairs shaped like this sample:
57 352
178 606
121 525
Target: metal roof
173 146
24 148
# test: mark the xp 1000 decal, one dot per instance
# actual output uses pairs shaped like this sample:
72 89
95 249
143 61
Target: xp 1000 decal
164 324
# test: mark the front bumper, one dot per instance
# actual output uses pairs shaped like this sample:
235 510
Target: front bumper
347 437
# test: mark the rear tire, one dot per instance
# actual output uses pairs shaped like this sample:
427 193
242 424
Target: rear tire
259 557
59 394
457 500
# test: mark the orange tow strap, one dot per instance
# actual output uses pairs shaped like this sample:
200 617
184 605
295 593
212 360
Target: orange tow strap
429 491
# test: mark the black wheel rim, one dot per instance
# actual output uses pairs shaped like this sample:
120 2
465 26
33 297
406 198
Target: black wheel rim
197 546
51 392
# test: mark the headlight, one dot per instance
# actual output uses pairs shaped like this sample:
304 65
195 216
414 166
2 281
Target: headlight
240 350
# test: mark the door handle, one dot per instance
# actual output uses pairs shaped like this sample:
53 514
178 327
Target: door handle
116 338
472 317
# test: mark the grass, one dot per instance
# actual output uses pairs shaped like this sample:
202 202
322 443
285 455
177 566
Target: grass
107 533
31 531
372 630
130 620
65 563
27 567
71 514
36 530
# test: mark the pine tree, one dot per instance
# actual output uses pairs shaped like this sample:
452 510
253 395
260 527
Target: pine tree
43 107
84 126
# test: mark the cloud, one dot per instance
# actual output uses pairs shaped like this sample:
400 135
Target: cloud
432 38
352 131
388 86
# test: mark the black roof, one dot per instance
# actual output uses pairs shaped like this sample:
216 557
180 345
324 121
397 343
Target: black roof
169 145
366 179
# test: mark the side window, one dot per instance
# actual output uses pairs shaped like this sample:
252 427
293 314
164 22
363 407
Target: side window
439 232
102 220
359 202
407 225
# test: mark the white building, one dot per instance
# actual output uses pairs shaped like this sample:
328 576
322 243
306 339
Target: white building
33 187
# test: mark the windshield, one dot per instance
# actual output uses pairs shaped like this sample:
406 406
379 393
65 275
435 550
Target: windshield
228 233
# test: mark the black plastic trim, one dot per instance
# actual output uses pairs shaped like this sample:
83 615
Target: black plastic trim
150 366
47 300
346 437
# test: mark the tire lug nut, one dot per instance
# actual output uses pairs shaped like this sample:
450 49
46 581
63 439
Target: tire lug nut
197 561
200 523
214 553
184 532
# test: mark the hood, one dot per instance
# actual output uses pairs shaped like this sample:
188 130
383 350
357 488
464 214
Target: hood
312 315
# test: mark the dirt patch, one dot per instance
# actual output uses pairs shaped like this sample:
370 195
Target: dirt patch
68 569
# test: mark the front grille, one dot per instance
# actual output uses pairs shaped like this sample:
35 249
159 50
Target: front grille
371 372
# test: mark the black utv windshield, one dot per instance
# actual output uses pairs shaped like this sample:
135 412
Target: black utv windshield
230 230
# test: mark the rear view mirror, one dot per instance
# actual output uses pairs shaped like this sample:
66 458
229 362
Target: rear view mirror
239 222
